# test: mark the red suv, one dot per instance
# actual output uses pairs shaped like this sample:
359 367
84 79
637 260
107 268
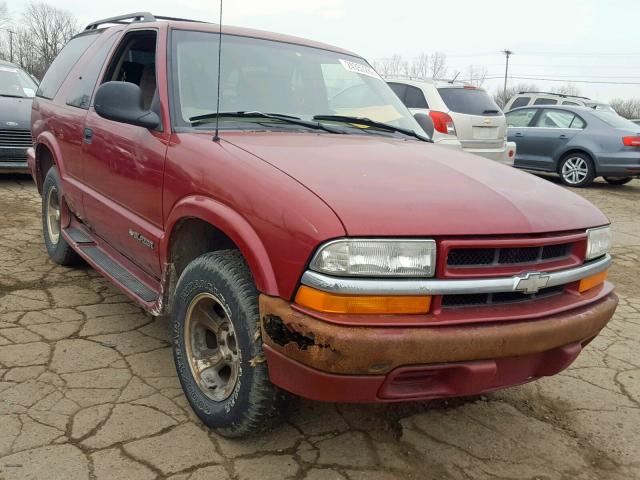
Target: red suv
303 234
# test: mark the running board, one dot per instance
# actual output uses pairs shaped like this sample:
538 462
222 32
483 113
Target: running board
119 273
98 256
78 235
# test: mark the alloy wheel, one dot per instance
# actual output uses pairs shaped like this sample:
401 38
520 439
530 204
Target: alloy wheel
53 215
211 347
575 170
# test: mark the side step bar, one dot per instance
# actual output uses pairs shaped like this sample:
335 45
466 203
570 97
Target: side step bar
119 273
98 257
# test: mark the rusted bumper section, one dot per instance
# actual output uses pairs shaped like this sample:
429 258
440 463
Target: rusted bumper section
324 361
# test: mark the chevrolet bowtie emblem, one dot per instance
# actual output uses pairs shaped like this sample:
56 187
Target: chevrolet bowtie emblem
531 282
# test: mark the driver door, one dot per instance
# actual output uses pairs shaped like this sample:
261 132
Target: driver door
124 164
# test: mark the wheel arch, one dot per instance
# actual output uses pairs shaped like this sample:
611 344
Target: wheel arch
47 154
206 223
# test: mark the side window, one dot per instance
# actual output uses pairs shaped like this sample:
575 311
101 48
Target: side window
82 87
63 63
520 102
399 89
415 98
566 102
135 62
545 101
577 122
555 119
520 118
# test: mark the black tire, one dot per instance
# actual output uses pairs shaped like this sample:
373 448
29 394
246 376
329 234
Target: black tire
577 170
224 279
57 247
618 180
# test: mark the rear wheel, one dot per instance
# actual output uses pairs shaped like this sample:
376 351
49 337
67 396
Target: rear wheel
52 204
618 180
218 349
576 170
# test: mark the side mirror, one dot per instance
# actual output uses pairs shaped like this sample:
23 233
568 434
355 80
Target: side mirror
425 122
122 102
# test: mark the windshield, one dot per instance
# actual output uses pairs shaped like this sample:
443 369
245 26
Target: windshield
16 83
470 101
276 78
615 120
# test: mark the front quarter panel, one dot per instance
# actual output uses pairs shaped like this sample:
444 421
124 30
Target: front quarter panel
274 220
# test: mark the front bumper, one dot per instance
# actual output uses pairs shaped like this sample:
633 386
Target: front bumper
13 160
329 362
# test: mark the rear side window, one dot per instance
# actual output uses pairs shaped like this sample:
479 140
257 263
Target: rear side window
570 103
555 119
520 102
82 87
471 101
520 118
414 98
63 64
399 89
545 101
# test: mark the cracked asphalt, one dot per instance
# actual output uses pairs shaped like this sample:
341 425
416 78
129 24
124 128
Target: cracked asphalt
88 390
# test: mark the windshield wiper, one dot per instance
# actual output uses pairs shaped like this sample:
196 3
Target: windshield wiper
208 117
371 123
491 111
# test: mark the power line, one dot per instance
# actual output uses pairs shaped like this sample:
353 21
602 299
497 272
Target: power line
565 80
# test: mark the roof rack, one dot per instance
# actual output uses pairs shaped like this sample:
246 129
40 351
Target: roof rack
563 95
133 18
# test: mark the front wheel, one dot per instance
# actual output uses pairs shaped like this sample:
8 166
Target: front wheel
618 180
218 349
576 170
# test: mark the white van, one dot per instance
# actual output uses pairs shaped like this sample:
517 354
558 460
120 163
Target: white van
463 116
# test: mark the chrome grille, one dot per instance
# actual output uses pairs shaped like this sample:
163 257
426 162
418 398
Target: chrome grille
15 138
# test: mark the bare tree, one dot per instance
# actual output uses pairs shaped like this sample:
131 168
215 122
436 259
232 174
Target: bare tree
4 14
48 30
628 108
501 96
420 66
476 76
567 89
438 65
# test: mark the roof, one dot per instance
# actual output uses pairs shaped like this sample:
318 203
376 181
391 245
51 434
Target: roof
186 24
416 82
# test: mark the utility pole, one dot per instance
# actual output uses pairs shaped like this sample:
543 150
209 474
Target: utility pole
508 53
10 45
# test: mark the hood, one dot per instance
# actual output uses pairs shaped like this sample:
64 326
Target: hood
388 187
15 110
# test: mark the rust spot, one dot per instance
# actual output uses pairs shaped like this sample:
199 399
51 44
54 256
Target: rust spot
282 335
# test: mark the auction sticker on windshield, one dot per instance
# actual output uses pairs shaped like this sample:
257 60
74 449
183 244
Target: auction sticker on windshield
356 67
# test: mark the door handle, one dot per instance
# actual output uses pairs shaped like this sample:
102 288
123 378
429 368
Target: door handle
563 137
87 135
519 135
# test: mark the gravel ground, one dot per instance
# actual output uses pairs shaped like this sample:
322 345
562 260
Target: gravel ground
88 390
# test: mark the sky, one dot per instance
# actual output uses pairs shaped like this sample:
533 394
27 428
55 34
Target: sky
567 40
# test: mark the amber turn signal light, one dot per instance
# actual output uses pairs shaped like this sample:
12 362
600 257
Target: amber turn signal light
355 304
592 281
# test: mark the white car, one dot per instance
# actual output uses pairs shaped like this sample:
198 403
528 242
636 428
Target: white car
463 116
524 99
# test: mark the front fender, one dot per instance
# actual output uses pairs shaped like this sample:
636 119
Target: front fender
231 224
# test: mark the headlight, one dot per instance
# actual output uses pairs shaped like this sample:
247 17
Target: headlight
377 258
598 242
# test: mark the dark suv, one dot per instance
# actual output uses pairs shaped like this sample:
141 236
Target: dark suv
17 90
303 240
